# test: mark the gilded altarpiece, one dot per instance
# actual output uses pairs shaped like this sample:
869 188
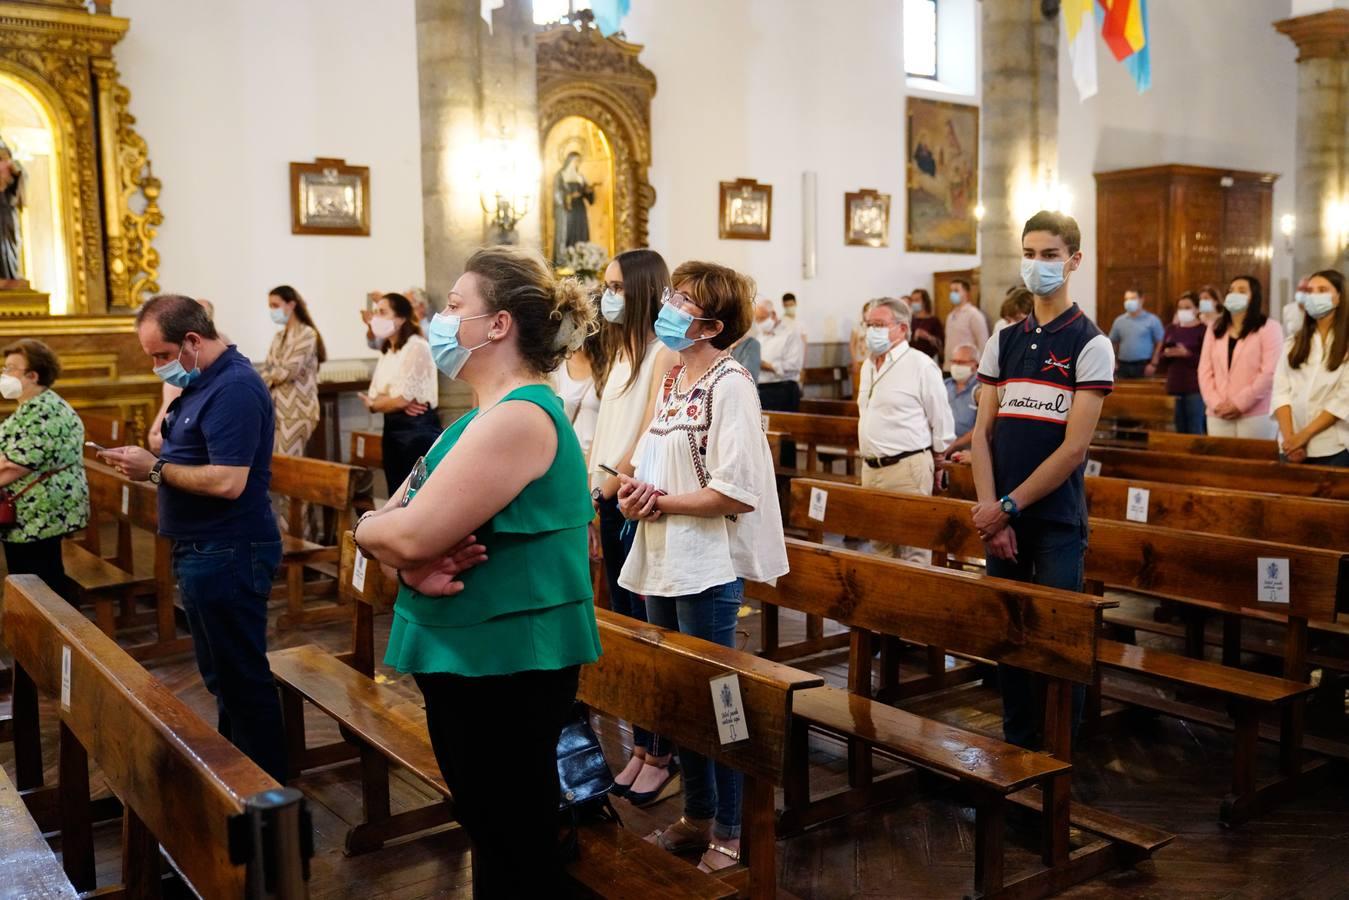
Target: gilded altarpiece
595 129
89 260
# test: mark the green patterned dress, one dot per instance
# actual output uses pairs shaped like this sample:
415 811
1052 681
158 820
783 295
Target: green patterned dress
44 434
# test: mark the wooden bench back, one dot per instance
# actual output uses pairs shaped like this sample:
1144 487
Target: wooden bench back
367 449
315 481
1040 629
134 502
829 407
660 680
1203 445
108 431
1218 472
832 378
1140 407
1279 518
1214 569
805 428
1140 386
182 779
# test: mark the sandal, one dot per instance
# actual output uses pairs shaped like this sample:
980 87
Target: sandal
681 837
718 857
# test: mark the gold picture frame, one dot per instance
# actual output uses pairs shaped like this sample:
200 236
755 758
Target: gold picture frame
866 218
745 211
327 196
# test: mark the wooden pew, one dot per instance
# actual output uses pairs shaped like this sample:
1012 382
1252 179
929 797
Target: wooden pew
321 483
133 505
107 431
31 870
830 379
1050 632
367 449
1140 386
387 729
1229 474
817 435
1214 573
1132 409
1203 445
184 787
829 408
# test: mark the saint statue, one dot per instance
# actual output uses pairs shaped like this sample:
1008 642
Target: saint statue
571 194
13 180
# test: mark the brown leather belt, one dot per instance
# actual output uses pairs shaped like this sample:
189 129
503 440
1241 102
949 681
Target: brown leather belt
880 462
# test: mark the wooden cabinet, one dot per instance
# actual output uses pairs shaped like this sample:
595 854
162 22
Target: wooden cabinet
1173 228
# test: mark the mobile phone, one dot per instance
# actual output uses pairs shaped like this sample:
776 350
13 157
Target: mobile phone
610 469
99 447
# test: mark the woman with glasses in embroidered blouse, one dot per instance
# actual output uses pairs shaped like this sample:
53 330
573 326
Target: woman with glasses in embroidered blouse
705 505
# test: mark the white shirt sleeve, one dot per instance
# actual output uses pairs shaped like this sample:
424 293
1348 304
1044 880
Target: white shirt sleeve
737 450
793 358
990 368
416 375
1096 365
932 392
1283 388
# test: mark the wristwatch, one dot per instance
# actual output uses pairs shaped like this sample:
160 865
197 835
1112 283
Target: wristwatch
155 476
1009 506
597 496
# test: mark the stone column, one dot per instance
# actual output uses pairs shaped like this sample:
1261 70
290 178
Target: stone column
1322 174
1019 124
474 85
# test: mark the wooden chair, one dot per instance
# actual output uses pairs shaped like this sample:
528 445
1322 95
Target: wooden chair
320 483
184 787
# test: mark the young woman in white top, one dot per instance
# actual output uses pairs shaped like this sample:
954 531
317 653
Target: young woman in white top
706 507
404 388
1311 385
578 381
633 285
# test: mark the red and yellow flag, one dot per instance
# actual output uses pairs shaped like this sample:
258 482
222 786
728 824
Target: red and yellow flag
1124 30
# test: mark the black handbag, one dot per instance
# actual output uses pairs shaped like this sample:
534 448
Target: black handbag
585 779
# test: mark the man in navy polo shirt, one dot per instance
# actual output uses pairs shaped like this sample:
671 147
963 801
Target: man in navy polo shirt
213 472
1048 377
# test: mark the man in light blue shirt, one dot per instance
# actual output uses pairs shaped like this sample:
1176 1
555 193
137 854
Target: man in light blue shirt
1135 334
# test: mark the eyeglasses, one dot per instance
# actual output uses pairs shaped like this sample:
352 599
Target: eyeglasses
12 370
679 300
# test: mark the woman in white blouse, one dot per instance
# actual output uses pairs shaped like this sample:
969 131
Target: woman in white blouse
404 388
579 381
1311 384
706 508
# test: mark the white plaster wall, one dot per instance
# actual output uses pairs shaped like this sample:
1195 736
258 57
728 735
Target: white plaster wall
227 94
1224 93
768 89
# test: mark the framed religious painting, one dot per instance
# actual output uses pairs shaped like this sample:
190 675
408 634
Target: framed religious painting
942 180
328 196
866 218
745 211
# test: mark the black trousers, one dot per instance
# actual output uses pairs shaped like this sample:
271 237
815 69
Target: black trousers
406 438
41 558
504 780
783 396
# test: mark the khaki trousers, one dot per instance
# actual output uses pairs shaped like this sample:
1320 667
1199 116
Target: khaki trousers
912 475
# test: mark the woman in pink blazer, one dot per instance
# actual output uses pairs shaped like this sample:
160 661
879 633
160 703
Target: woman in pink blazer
1236 366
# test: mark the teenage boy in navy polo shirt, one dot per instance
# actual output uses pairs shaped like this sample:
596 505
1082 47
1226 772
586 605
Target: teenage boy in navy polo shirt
1050 375
213 472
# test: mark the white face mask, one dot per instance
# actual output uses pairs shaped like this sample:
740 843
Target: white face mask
961 373
382 327
1185 316
10 387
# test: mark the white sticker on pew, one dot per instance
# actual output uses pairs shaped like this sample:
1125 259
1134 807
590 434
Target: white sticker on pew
126 499
112 431
358 572
763 422
360 446
1093 467
1137 510
729 708
818 500
65 678
1271 580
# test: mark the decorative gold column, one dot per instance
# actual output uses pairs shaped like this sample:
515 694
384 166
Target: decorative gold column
1322 139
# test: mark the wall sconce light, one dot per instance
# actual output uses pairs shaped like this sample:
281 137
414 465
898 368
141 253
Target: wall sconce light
1288 227
1032 195
508 178
1337 223
979 212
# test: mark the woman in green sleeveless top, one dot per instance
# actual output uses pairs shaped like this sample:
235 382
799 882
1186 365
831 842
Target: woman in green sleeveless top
494 616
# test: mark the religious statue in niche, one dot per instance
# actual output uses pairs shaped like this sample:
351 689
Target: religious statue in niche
581 188
13 181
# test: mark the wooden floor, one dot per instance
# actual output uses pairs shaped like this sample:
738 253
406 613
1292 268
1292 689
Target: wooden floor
1156 771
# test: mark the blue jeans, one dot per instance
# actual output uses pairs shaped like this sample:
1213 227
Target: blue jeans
225 586
710 789
1050 554
1191 416
1339 460
615 547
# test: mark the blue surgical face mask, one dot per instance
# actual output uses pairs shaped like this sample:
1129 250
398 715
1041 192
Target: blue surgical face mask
1235 303
878 339
446 351
173 372
1300 297
611 306
1207 306
1043 276
956 298
1133 305
279 315
673 324
1318 306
